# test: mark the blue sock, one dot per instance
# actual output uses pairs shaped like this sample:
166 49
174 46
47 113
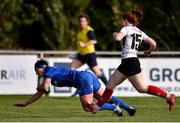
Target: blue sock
122 104
107 106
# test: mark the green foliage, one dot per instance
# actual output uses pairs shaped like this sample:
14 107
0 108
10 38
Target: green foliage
67 109
162 23
52 24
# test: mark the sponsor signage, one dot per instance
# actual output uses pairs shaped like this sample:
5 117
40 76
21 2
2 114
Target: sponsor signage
162 72
17 74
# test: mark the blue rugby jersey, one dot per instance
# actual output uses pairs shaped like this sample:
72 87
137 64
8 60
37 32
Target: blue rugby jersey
62 77
84 81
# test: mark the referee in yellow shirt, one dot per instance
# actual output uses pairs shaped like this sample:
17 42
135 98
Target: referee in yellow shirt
86 40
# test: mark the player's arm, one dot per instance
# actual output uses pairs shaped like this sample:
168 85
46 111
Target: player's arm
41 89
152 46
92 39
118 36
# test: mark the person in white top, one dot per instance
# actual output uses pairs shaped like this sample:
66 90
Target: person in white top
129 68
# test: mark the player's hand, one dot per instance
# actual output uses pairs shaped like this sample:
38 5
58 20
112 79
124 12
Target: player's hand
146 53
116 36
82 44
20 105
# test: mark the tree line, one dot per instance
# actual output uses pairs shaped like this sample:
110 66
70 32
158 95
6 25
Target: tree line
53 24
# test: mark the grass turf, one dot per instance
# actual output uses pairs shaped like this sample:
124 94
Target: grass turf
67 109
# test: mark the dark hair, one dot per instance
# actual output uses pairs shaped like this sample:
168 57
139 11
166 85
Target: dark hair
41 64
134 16
84 16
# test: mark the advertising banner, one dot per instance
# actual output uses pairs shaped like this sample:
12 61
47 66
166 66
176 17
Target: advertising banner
17 74
162 72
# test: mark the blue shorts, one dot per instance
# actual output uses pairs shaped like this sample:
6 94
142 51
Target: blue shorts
88 83
90 59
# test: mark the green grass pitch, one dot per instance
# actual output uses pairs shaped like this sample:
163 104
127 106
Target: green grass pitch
68 109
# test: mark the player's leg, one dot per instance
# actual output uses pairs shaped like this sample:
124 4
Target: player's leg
115 79
140 85
86 100
131 110
138 82
75 64
98 91
85 88
92 63
99 74
112 107
114 101
93 85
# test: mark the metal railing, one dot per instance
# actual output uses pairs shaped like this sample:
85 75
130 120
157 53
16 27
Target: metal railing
99 53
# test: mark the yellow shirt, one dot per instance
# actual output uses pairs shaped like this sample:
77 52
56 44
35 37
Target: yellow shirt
82 36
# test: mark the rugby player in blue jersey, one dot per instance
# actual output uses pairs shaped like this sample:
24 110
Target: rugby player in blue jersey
86 83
